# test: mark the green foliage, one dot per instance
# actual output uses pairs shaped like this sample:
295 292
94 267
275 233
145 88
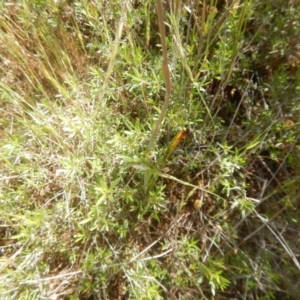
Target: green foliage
138 164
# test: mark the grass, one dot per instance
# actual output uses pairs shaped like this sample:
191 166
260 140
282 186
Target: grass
138 164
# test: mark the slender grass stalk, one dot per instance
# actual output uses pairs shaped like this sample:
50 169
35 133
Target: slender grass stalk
114 52
149 180
166 75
